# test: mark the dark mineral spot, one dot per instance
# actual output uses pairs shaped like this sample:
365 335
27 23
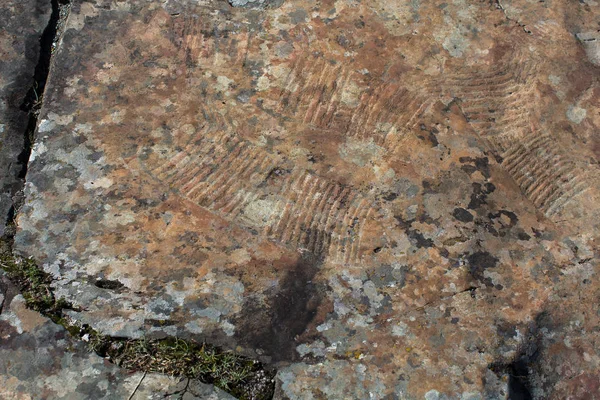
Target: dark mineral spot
478 262
462 215
108 284
479 195
416 237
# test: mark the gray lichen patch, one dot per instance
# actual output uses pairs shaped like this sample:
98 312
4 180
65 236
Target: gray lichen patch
256 3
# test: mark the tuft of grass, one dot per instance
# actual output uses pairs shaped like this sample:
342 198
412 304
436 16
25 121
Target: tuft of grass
240 376
34 285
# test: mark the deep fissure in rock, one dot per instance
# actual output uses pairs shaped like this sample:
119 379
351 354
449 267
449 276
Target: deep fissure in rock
32 102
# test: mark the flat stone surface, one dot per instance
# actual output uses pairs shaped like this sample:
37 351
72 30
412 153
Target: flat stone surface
40 360
21 25
383 199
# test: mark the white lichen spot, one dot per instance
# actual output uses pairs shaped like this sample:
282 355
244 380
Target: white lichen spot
263 83
576 114
360 152
223 83
63 185
38 149
400 330
455 44
351 95
188 129
432 395
555 80
102 183
228 328
259 212
324 327
317 349
83 128
38 212
194 327
46 125
60 119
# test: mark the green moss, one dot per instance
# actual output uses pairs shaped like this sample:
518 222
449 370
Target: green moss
240 376
34 285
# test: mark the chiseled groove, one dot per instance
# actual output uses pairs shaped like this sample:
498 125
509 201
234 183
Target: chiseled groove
560 169
317 217
423 106
536 192
512 116
293 232
336 98
540 171
170 166
234 182
340 231
524 172
307 80
480 94
317 93
190 172
328 226
537 168
361 218
496 103
311 215
577 190
403 103
291 194
566 184
350 235
276 221
355 250
213 165
517 152
321 225
377 105
340 222
218 175
238 206
253 177
287 234
306 226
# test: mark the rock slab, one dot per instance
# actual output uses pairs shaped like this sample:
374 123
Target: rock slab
382 199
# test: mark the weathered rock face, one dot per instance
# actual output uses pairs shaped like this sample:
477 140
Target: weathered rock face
384 199
21 25
40 360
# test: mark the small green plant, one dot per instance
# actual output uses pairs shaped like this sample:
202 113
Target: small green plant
175 356
34 285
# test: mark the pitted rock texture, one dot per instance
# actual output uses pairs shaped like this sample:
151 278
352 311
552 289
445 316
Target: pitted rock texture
40 360
21 25
382 199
